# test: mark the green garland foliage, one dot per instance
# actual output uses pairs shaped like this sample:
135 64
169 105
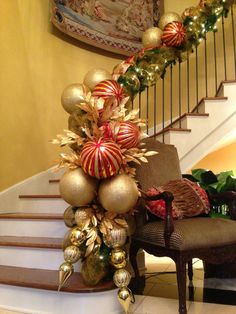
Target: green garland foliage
149 65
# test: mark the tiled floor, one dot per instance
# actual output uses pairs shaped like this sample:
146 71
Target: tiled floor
160 294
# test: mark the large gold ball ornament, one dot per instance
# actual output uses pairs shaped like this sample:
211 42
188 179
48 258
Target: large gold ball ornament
115 237
118 194
118 258
77 236
69 216
95 76
77 188
167 18
72 254
152 37
125 297
73 95
121 278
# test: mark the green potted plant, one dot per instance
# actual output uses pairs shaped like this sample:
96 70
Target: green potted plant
221 190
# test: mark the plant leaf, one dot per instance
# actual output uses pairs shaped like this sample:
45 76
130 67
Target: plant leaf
196 173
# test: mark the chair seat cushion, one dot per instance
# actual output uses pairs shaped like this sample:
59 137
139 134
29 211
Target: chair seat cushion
191 233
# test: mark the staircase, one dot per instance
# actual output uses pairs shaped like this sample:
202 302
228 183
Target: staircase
211 121
31 251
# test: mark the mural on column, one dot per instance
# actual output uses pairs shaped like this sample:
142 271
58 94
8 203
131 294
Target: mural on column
114 25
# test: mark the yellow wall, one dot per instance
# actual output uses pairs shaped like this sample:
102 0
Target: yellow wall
36 63
179 6
222 159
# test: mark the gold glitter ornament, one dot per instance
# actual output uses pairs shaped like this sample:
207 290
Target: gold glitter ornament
152 37
121 278
115 237
167 18
81 216
73 95
95 76
69 216
77 188
72 254
118 194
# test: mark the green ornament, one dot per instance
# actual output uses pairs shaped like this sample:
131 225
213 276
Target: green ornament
130 83
96 266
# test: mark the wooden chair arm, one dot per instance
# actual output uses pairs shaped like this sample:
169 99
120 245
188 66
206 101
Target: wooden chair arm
169 223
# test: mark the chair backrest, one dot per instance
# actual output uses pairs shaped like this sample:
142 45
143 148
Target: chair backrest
160 168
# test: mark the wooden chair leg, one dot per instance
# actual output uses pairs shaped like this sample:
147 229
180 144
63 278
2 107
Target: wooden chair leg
133 250
190 270
181 279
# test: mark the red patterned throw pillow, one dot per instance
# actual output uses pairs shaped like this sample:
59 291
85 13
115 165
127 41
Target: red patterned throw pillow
189 199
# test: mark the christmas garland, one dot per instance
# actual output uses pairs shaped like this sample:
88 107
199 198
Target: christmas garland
104 138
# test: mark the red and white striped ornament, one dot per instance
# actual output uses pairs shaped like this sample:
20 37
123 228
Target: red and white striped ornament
128 135
101 158
173 34
109 88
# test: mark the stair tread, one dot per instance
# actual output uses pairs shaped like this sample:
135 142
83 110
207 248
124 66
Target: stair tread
43 216
209 98
39 196
47 280
33 242
171 129
54 180
224 82
196 114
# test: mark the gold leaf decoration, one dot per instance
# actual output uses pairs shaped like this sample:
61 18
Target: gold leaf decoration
94 221
121 222
89 249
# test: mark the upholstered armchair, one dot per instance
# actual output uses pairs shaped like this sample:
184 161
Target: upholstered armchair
210 239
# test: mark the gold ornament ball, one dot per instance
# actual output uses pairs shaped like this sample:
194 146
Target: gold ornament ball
118 257
77 236
65 271
72 96
152 37
69 216
167 18
115 237
121 278
81 217
72 254
120 265
77 188
95 76
125 297
118 194
66 241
